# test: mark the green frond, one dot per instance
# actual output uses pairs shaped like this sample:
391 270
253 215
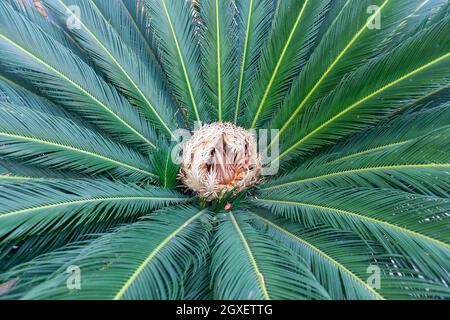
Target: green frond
423 14
318 246
309 112
63 76
133 28
394 84
219 56
135 77
44 23
19 251
31 207
17 170
139 36
398 130
197 281
412 225
172 21
342 262
254 20
143 260
13 93
294 34
165 168
245 264
418 165
45 140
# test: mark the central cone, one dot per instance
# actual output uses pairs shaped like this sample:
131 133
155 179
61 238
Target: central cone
219 158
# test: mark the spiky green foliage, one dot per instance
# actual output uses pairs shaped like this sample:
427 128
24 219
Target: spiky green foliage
88 111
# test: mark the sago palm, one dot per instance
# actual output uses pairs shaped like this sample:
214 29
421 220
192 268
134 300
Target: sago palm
353 204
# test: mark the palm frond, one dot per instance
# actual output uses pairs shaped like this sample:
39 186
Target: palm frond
165 168
143 260
318 246
254 20
19 251
399 129
341 260
31 207
135 77
415 60
418 165
394 85
412 225
197 281
141 38
63 76
132 25
44 22
51 141
91 106
294 33
17 170
246 265
219 56
12 92
175 31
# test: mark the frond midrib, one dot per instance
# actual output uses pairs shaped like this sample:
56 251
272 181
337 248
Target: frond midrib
333 261
259 276
10 176
359 102
328 70
78 87
92 154
360 170
152 254
165 169
180 56
219 61
278 64
361 217
85 200
371 150
125 73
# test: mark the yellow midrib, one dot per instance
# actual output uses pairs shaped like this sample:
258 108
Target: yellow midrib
125 73
219 68
180 56
259 276
359 216
278 65
329 69
86 200
368 169
13 177
323 254
62 146
144 41
359 102
374 149
78 87
244 61
152 254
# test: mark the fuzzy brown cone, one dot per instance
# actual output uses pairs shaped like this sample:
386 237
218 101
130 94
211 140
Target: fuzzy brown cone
219 158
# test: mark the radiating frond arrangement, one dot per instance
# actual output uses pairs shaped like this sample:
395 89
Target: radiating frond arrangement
93 94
